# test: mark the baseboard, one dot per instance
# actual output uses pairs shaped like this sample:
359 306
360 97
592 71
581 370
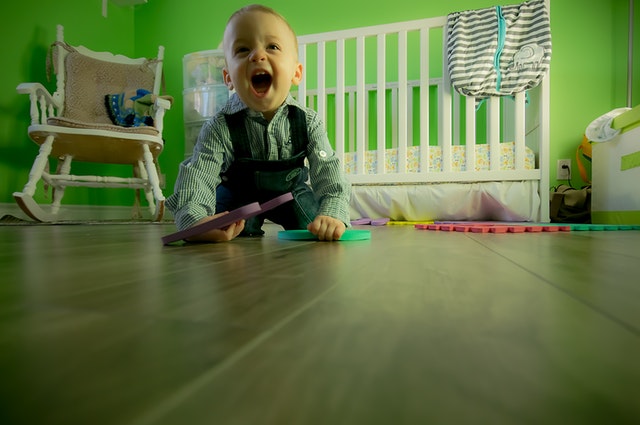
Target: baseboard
84 212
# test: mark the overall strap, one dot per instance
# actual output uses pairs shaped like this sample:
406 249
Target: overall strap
299 133
238 132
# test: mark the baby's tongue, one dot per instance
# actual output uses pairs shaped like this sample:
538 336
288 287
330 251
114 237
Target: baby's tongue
261 83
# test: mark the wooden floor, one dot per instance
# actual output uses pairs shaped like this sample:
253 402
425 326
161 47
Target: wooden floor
101 324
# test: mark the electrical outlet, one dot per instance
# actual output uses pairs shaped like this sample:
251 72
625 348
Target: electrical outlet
563 172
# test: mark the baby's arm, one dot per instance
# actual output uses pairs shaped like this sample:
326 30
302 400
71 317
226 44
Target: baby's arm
329 184
218 235
327 228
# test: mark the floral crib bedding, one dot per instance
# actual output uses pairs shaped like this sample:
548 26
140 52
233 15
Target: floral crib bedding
458 155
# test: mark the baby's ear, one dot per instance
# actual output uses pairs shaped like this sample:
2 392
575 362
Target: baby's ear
297 74
227 78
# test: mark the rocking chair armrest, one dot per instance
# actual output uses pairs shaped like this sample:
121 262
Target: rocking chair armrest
38 90
162 103
43 103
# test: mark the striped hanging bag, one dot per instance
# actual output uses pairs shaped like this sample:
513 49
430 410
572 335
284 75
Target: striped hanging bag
498 51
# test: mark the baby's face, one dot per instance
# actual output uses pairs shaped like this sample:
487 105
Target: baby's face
262 61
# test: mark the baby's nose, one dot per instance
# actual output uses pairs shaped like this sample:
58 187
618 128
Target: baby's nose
258 55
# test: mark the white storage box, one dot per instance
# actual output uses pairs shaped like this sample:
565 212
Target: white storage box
615 168
203 102
203 68
204 92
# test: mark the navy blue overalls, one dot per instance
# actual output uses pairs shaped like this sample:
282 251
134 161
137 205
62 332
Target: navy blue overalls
252 180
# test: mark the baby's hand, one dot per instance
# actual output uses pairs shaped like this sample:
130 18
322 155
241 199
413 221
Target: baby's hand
327 228
218 235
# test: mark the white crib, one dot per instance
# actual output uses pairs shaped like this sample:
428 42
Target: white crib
405 137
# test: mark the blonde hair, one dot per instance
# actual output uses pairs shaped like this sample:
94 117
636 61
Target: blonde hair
265 9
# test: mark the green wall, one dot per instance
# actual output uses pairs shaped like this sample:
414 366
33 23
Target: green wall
588 69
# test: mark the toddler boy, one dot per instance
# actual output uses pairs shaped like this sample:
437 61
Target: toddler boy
254 149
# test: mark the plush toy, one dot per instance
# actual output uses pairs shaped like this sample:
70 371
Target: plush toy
130 109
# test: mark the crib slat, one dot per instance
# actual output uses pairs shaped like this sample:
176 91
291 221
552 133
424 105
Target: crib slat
302 87
361 147
470 136
424 100
394 117
351 121
340 93
322 95
542 143
456 119
409 120
402 102
493 132
519 122
444 113
381 102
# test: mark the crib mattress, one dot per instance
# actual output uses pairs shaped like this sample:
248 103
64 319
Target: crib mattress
458 155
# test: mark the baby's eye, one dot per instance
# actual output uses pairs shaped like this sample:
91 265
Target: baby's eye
240 50
273 47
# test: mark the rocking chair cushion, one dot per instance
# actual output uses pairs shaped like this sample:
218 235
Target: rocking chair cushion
89 80
66 122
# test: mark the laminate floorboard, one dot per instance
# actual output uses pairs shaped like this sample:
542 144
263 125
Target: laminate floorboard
101 324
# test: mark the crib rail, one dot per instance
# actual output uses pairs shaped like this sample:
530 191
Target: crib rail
383 87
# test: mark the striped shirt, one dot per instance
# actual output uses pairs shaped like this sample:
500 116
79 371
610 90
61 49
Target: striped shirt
194 194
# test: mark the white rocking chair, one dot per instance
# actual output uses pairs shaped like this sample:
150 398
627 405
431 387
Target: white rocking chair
77 123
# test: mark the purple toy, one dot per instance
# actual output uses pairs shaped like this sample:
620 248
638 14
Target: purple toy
244 212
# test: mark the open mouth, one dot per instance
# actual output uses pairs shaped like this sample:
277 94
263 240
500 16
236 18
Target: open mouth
261 82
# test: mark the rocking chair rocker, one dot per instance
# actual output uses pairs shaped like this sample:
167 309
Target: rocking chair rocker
106 109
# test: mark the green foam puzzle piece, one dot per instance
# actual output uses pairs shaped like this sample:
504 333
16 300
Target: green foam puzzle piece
305 235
